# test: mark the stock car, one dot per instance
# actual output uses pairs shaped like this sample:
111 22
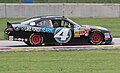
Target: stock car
56 30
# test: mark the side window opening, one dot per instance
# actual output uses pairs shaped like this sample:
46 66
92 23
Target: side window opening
62 23
45 23
56 23
67 24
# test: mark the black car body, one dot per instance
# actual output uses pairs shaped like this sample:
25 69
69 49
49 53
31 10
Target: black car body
56 30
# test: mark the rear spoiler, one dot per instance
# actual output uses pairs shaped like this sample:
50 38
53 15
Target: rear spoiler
9 24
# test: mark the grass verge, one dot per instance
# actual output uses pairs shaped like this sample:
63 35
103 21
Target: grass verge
83 61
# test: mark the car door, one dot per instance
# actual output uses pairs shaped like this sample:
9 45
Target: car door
63 31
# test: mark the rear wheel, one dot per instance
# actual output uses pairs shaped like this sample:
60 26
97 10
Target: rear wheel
96 38
35 39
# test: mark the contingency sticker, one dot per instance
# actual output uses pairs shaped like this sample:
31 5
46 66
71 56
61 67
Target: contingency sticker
84 31
77 33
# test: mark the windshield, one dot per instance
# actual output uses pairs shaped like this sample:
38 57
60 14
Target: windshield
29 20
72 22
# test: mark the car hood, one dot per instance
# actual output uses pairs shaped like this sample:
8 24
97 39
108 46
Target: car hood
95 27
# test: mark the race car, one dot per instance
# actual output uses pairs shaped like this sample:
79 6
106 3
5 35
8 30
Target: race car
56 30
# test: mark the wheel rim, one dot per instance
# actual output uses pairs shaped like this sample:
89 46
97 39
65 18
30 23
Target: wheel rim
96 38
36 39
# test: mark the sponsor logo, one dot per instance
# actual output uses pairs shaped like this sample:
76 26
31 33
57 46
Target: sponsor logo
20 39
48 30
76 33
84 31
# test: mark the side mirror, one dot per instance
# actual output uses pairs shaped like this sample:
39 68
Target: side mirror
69 25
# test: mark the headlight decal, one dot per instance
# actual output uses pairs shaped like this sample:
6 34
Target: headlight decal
107 35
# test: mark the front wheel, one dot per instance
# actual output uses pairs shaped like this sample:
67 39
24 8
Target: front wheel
35 39
96 38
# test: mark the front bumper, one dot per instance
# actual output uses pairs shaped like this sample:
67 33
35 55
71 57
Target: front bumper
108 38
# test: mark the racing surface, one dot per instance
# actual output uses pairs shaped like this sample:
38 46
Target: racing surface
6 45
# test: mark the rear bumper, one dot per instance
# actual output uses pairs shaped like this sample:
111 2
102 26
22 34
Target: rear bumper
8 37
14 37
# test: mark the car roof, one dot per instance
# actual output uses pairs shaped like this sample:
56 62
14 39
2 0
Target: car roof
50 17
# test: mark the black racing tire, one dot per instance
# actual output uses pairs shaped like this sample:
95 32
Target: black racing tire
96 38
35 40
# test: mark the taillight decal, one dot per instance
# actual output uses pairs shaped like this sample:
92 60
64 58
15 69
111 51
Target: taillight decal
9 29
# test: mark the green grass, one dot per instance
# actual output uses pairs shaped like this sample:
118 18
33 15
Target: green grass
83 61
112 24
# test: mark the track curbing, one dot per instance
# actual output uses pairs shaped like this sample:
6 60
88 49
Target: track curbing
47 48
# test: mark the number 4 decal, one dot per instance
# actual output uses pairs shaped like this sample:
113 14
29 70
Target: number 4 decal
62 35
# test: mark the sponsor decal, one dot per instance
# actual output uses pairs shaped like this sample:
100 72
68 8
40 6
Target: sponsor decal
48 30
36 29
31 29
84 31
76 33
28 29
20 39
62 35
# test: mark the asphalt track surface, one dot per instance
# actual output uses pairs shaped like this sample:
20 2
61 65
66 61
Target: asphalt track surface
6 45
